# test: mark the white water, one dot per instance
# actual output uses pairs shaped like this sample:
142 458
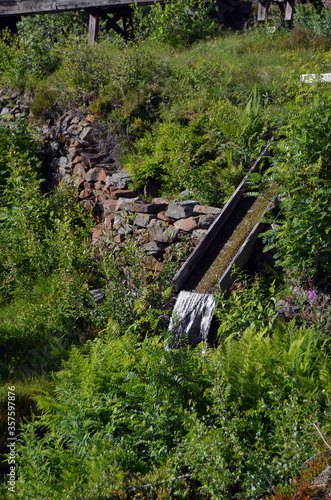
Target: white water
191 317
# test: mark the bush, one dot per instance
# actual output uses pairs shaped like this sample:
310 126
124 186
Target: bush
301 167
128 413
36 52
311 18
178 23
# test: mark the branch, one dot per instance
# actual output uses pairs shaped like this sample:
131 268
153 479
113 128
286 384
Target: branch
321 435
172 479
314 456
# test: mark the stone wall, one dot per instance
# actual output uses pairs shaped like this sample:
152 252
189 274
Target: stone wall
77 151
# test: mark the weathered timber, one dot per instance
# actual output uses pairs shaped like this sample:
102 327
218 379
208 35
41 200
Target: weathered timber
25 7
198 256
93 29
286 8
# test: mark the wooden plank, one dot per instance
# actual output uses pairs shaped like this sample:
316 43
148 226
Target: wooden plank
93 29
263 10
289 10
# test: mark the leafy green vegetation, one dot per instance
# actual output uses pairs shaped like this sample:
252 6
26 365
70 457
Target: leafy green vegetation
122 417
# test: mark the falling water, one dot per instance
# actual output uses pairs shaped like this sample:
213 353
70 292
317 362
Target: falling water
191 317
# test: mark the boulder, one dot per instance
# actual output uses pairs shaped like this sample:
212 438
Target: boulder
123 193
142 220
91 159
197 234
186 225
121 180
206 210
155 248
74 130
87 135
95 174
152 208
205 221
181 209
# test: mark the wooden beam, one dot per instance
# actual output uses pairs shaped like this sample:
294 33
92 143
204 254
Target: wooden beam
93 29
26 7
289 10
124 13
263 10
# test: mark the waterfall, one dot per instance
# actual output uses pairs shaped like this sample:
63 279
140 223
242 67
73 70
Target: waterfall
191 317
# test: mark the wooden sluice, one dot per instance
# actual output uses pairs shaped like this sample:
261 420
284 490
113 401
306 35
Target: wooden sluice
229 241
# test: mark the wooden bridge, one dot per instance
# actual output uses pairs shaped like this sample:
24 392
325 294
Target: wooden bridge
12 10
235 13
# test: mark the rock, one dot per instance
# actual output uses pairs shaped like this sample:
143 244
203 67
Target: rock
142 220
74 130
52 148
125 230
74 143
206 210
122 226
95 174
152 208
91 159
197 234
181 209
161 234
58 163
109 187
127 204
109 207
162 216
205 221
123 193
118 238
95 207
87 135
121 180
99 185
109 220
85 193
90 118
97 232
155 248
286 309
165 201
4 111
75 120
76 159
186 225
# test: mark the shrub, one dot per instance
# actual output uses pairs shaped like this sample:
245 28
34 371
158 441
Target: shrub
311 18
176 23
301 167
